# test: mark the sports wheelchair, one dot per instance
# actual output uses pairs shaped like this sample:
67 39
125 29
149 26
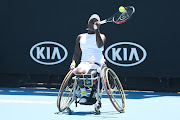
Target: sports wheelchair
106 80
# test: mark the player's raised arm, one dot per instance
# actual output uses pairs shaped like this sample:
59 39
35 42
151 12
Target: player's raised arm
100 38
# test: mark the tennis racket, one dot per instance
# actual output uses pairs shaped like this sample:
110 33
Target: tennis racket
118 17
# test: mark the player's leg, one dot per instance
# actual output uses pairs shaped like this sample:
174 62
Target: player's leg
86 68
83 99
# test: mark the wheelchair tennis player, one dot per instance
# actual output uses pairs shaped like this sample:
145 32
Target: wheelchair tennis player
92 69
91 73
91 44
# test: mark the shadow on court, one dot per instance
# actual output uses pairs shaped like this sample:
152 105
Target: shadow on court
108 114
54 92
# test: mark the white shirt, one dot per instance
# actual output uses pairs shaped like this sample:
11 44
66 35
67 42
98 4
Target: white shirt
90 51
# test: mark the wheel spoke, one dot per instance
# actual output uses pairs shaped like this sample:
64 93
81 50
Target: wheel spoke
114 89
65 93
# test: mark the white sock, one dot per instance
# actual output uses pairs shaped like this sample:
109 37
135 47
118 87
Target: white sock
83 92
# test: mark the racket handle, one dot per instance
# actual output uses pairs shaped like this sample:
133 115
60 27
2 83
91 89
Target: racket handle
103 22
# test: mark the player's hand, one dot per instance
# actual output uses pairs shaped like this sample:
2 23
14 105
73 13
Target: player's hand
72 67
96 25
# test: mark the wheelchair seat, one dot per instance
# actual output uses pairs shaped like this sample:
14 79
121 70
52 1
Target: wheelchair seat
89 79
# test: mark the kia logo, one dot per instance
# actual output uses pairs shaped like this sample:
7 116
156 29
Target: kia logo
125 54
48 53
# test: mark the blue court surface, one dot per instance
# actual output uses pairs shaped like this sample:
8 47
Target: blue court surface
40 104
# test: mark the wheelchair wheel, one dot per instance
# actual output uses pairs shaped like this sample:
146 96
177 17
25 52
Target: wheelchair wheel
65 92
114 89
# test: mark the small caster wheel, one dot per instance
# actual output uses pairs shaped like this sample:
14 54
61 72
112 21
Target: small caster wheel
57 113
69 111
122 111
99 106
97 112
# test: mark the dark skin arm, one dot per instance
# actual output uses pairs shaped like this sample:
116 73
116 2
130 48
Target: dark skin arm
77 52
100 38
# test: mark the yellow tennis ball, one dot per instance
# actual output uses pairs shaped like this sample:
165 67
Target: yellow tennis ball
121 9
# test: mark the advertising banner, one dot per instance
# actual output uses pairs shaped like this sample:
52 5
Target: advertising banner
38 37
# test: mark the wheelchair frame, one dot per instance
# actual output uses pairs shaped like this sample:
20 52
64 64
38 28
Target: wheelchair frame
74 92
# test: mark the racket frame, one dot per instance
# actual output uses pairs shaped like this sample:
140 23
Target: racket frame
119 22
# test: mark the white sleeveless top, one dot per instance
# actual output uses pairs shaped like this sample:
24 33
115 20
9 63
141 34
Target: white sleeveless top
90 51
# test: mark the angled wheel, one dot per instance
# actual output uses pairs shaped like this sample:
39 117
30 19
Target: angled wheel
65 92
114 89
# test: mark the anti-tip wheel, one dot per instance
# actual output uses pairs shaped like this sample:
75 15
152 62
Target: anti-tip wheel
122 111
97 112
69 111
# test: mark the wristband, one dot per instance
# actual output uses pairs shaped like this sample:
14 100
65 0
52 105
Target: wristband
73 64
95 27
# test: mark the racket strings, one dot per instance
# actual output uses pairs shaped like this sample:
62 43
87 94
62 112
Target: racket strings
124 16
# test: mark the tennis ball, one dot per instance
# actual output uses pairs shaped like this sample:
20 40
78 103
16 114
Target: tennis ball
121 9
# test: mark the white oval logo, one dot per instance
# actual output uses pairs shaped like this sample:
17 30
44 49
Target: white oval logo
48 53
125 54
